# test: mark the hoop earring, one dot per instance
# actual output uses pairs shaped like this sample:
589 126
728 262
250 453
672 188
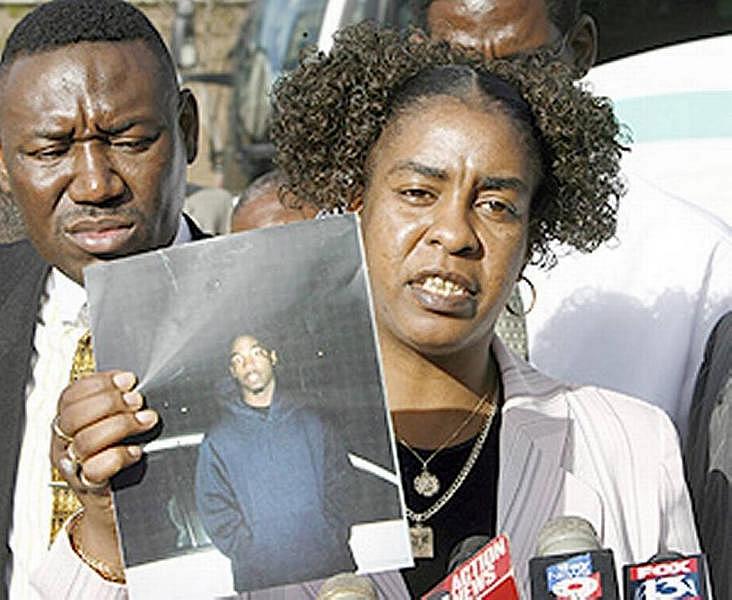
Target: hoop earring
531 304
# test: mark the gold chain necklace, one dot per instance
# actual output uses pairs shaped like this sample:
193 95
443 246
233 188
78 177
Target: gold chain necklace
426 483
421 535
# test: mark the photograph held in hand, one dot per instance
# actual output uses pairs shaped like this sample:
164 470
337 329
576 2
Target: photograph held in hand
273 462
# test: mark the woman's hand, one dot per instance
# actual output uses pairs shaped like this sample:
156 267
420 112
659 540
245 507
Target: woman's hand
94 415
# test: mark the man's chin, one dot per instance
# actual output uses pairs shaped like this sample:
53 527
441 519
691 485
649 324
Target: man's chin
74 260
254 389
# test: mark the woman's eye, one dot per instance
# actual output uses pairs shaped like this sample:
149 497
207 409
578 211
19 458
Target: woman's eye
494 206
417 195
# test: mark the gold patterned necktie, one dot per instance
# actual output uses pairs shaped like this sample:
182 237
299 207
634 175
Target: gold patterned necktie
64 500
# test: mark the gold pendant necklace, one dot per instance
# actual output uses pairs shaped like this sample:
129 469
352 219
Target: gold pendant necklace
422 539
426 483
422 536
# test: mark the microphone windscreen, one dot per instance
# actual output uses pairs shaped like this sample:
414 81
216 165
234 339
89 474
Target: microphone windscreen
566 534
571 564
347 586
465 549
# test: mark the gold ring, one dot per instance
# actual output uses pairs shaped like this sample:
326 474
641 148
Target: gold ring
75 465
67 467
90 485
60 432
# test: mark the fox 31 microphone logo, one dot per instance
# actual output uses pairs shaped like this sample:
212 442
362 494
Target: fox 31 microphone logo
574 579
673 580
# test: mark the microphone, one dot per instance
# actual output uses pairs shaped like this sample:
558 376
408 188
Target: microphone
570 563
479 568
465 549
347 586
667 576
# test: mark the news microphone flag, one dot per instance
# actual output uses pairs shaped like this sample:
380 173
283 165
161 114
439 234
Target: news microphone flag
682 578
571 565
487 575
585 576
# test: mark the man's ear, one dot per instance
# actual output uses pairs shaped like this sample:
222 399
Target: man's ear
273 357
582 43
188 122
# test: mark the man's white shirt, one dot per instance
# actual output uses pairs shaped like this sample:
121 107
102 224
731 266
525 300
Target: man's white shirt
634 315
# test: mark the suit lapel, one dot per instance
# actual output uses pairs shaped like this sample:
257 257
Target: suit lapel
534 483
530 480
24 272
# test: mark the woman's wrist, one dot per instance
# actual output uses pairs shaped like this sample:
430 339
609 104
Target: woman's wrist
107 569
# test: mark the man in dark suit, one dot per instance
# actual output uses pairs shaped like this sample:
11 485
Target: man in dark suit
708 455
11 227
95 138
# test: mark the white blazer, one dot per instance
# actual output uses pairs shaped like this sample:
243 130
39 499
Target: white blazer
590 452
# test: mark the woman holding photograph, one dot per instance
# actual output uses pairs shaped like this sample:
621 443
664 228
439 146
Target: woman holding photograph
463 172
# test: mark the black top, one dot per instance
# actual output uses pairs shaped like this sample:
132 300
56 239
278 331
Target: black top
471 511
710 482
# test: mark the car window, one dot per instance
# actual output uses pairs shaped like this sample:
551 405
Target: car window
304 31
283 27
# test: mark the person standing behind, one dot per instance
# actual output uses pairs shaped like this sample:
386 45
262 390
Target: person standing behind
708 456
259 205
633 315
95 138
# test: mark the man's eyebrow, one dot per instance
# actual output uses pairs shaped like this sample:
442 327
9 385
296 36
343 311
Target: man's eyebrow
54 134
502 183
59 134
426 170
121 127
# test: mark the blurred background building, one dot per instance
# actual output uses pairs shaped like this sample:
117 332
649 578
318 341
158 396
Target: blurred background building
675 98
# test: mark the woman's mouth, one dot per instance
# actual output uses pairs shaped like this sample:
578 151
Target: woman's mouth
445 294
443 287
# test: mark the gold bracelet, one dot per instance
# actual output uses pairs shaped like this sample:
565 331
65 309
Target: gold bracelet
104 570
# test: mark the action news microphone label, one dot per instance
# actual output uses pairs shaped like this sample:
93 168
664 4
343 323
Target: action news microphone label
487 574
682 579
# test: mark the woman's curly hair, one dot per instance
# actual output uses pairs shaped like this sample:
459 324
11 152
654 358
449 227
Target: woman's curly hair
329 113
